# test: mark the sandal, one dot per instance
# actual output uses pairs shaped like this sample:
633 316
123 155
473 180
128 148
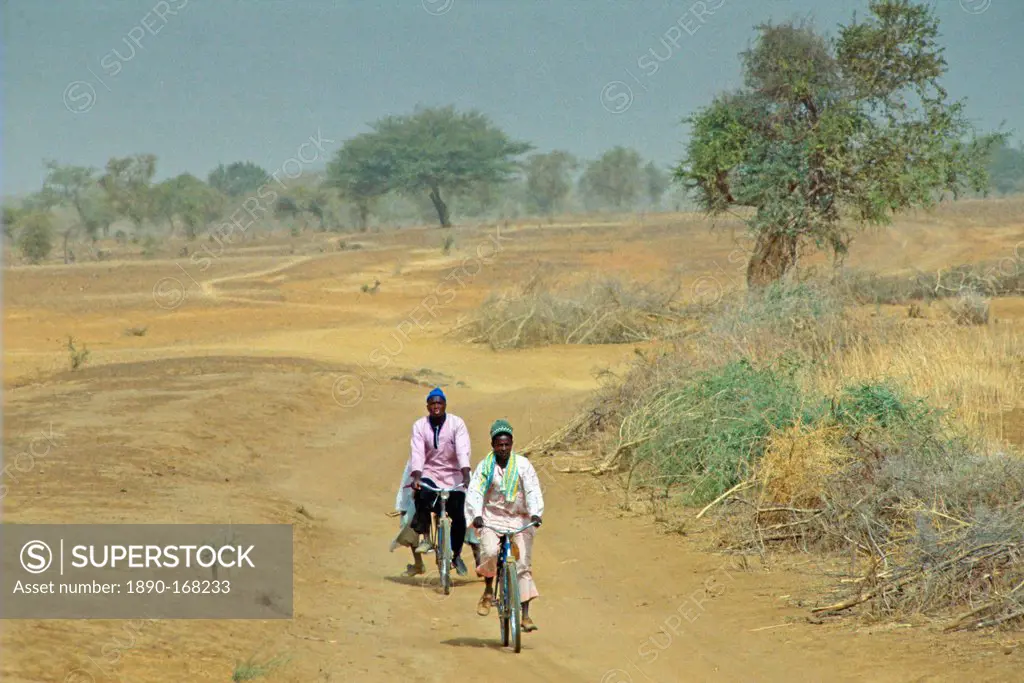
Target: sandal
413 570
483 607
528 625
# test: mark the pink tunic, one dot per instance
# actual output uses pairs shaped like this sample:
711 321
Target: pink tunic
443 464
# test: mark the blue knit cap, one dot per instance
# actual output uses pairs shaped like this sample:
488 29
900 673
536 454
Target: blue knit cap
438 393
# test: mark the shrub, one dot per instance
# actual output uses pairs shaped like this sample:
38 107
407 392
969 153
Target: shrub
970 309
35 237
707 433
936 517
605 311
78 357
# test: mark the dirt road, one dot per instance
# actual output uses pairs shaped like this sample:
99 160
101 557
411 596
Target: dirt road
228 412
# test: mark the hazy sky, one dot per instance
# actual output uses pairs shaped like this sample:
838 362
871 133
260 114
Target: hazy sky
210 81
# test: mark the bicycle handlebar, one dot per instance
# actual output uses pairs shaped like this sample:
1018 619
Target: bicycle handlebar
507 532
436 490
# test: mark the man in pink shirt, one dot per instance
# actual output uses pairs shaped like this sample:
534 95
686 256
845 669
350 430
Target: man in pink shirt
439 456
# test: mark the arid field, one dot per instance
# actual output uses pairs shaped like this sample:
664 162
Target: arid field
272 381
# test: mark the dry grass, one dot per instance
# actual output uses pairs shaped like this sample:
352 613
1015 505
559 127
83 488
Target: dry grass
976 374
595 311
971 281
798 462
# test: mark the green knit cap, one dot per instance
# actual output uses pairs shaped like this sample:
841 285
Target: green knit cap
501 427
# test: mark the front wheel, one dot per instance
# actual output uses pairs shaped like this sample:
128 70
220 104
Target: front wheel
502 605
515 608
444 554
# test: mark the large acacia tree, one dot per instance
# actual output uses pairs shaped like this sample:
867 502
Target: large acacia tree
832 134
436 151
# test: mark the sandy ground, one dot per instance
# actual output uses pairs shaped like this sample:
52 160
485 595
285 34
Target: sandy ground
273 384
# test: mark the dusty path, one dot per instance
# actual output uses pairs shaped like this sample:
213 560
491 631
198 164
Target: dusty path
620 602
195 435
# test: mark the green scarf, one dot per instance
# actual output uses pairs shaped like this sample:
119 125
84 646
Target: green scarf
509 483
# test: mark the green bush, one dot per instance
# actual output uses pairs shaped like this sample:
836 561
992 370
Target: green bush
706 433
886 406
35 236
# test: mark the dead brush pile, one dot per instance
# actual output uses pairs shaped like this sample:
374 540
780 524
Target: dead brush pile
601 311
781 419
1003 278
937 521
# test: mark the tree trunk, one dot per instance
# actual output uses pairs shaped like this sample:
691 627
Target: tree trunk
774 254
67 236
364 215
440 206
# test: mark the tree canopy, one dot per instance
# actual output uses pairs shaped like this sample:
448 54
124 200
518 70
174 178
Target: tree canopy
549 179
1006 168
237 179
190 200
825 133
127 183
433 150
360 174
616 178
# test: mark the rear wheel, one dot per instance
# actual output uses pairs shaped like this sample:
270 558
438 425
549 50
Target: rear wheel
514 606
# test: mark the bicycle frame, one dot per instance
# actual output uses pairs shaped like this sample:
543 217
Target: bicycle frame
509 607
441 529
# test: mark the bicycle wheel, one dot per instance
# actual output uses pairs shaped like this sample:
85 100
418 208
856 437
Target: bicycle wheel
444 554
502 605
514 606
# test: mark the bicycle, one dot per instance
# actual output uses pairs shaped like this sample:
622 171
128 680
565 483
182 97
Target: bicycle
507 585
440 537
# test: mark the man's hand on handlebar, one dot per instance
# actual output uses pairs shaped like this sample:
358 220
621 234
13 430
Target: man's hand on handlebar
535 519
416 480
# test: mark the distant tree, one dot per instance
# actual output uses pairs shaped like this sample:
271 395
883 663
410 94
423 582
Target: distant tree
237 179
549 179
188 199
11 215
437 151
99 213
301 201
1006 168
69 186
75 188
361 174
481 199
35 235
656 183
858 128
286 207
127 183
315 201
616 178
